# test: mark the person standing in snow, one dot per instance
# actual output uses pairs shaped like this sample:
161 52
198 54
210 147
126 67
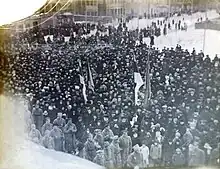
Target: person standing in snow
99 158
47 141
90 148
196 156
156 153
37 113
99 138
178 158
116 152
107 133
145 153
108 156
125 144
59 121
70 136
135 159
46 126
57 135
34 134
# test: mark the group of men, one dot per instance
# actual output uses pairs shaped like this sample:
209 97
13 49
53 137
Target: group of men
89 83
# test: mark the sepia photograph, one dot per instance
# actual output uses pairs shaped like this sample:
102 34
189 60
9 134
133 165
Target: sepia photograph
109 84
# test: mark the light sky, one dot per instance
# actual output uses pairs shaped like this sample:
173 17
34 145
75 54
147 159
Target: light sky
13 10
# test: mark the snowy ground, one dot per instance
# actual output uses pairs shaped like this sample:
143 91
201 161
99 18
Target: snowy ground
189 39
16 152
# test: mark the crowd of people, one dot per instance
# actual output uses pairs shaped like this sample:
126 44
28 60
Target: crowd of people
179 126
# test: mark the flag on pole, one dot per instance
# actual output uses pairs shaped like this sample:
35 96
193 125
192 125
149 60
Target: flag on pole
82 81
90 79
137 80
147 83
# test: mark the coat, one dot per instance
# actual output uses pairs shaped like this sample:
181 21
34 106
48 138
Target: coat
196 157
156 151
48 142
38 117
99 139
108 156
116 153
178 159
90 150
57 135
145 153
60 122
107 133
99 159
125 144
70 138
35 135
215 155
134 160
46 126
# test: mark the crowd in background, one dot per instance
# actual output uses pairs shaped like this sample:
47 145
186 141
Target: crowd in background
180 126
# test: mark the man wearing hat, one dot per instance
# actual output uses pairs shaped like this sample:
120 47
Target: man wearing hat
125 144
99 158
46 126
135 159
116 152
70 136
38 116
156 153
59 121
107 132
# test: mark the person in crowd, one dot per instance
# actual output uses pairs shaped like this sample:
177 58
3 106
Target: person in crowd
107 133
90 148
184 87
37 113
116 152
215 156
48 141
108 156
34 134
145 153
80 150
135 159
99 158
178 158
196 155
125 144
156 153
46 126
70 136
57 134
59 121
99 138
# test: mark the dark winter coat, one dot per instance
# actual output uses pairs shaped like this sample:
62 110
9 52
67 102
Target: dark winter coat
135 159
196 157
70 138
116 153
38 117
178 159
90 150
99 159
48 142
57 135
46 126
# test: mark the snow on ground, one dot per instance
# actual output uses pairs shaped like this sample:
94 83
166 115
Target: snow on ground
189 39
16 152
189 19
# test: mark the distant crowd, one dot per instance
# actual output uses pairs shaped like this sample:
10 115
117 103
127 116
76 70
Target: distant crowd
180 126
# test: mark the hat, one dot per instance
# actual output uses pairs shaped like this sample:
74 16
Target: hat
59 114
136 147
